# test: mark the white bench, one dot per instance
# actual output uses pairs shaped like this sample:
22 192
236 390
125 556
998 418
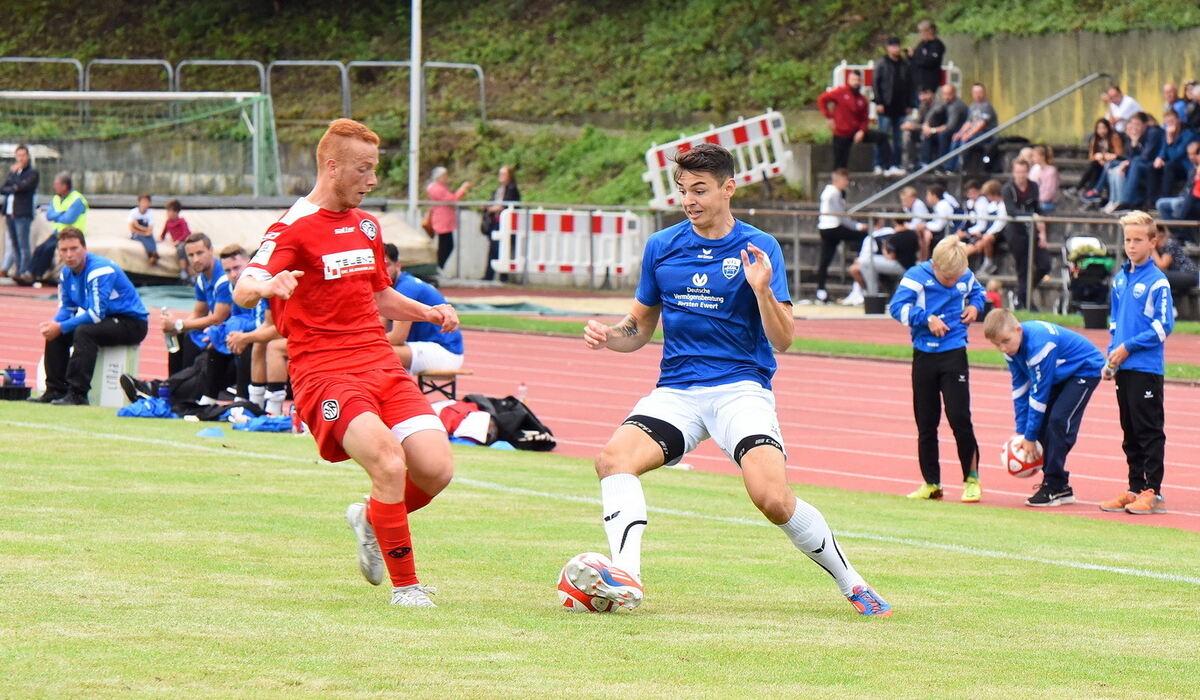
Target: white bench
111 362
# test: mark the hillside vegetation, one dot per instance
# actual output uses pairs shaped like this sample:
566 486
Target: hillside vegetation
628 66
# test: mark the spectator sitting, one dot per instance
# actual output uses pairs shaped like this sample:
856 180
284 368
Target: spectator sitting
981 118
256 340
943 205
944 121
1173 260
67 208
916 148
981 237
97 307
849 120
835 227
889 250
1045 174
1186 206
973 201
1171 164
892 83
1120 107
1173 103
1128 180
926 58
1104 146
141 227
177 228
225 366
420 345
214 302
994 293
1191 94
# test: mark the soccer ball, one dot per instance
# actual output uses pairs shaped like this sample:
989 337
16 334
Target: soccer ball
1012 457
576 600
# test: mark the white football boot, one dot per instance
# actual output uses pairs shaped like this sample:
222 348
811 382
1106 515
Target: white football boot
414 596
370 559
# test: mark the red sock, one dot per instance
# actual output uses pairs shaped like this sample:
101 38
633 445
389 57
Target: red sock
390 521
414 497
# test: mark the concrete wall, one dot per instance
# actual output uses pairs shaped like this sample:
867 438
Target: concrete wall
1019 71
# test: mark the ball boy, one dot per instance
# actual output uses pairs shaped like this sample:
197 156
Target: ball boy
1142 317
938 300
1054 372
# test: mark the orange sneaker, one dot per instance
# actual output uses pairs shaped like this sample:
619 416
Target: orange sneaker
1147 502
1117 505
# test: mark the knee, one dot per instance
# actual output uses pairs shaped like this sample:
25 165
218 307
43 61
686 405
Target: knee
389 469
611 461
776 504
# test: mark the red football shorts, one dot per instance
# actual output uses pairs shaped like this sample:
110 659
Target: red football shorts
328 402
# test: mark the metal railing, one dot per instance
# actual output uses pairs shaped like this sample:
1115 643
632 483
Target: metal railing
978 140
165 65
37 59
342 72
257 65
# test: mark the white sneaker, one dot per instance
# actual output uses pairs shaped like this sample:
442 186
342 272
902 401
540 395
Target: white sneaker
370 559
988 266
895 172
414 596
852 299
1110 207
878 170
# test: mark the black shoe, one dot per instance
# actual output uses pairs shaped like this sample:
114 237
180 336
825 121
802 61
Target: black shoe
46 397
70 400
1047 497
134 388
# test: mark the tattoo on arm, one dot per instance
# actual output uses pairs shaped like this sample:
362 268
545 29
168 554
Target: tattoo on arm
628 326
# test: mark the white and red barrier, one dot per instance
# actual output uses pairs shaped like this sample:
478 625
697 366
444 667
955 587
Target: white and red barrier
758 146
950 74
550 241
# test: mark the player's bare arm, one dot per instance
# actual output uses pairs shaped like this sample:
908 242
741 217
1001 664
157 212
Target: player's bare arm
249 291
396 306
776 315
634 331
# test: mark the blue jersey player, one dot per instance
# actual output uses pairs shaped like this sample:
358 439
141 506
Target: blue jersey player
720 288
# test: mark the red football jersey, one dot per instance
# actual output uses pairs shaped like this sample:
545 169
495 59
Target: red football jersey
331 321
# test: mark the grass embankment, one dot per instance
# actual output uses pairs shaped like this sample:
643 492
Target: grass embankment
139 560
823 346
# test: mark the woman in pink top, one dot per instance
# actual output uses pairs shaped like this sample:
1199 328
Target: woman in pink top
1045 175
442 217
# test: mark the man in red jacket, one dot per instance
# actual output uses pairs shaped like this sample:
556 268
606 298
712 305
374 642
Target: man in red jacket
846 110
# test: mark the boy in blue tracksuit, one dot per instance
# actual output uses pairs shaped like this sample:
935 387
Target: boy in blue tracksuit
1054 372
97 307
1143 315
938 300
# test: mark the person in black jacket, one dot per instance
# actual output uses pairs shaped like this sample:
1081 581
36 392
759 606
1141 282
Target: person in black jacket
926 58
19 189
893 87
1021 199
506 192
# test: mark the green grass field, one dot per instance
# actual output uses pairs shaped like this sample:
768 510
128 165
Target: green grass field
139 560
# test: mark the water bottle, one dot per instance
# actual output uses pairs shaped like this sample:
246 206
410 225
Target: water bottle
521 393
171 339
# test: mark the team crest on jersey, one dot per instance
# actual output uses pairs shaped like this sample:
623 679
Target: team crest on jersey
330 410
368 227
348 262
962 287
1139 289
730 267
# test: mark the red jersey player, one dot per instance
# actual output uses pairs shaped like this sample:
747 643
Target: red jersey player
322 266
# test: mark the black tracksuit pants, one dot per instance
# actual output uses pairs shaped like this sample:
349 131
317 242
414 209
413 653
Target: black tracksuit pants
1140 401
830 237
938 377
71 372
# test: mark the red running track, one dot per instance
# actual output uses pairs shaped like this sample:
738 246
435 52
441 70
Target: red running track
846 423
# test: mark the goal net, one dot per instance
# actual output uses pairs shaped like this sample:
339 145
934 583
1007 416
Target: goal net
176 143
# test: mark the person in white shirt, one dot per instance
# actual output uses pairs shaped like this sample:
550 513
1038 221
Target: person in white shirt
944 205
141 227
888 250
981 237
1120 107
835 227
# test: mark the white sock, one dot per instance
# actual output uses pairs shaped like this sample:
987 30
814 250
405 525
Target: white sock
258 394
809 532
856 289
275 401
624 520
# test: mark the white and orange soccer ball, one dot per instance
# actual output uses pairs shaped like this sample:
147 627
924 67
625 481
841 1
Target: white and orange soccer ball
1014 459
576 600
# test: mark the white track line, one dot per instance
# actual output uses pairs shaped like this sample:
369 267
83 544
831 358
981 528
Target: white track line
923 544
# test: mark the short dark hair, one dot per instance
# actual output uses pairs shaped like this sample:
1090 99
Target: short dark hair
972 185
174 205
705 158
198 237
937 190
71 232
145 196
232 250
391 252
1141 117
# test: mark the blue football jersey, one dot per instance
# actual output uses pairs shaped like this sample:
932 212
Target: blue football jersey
713 333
